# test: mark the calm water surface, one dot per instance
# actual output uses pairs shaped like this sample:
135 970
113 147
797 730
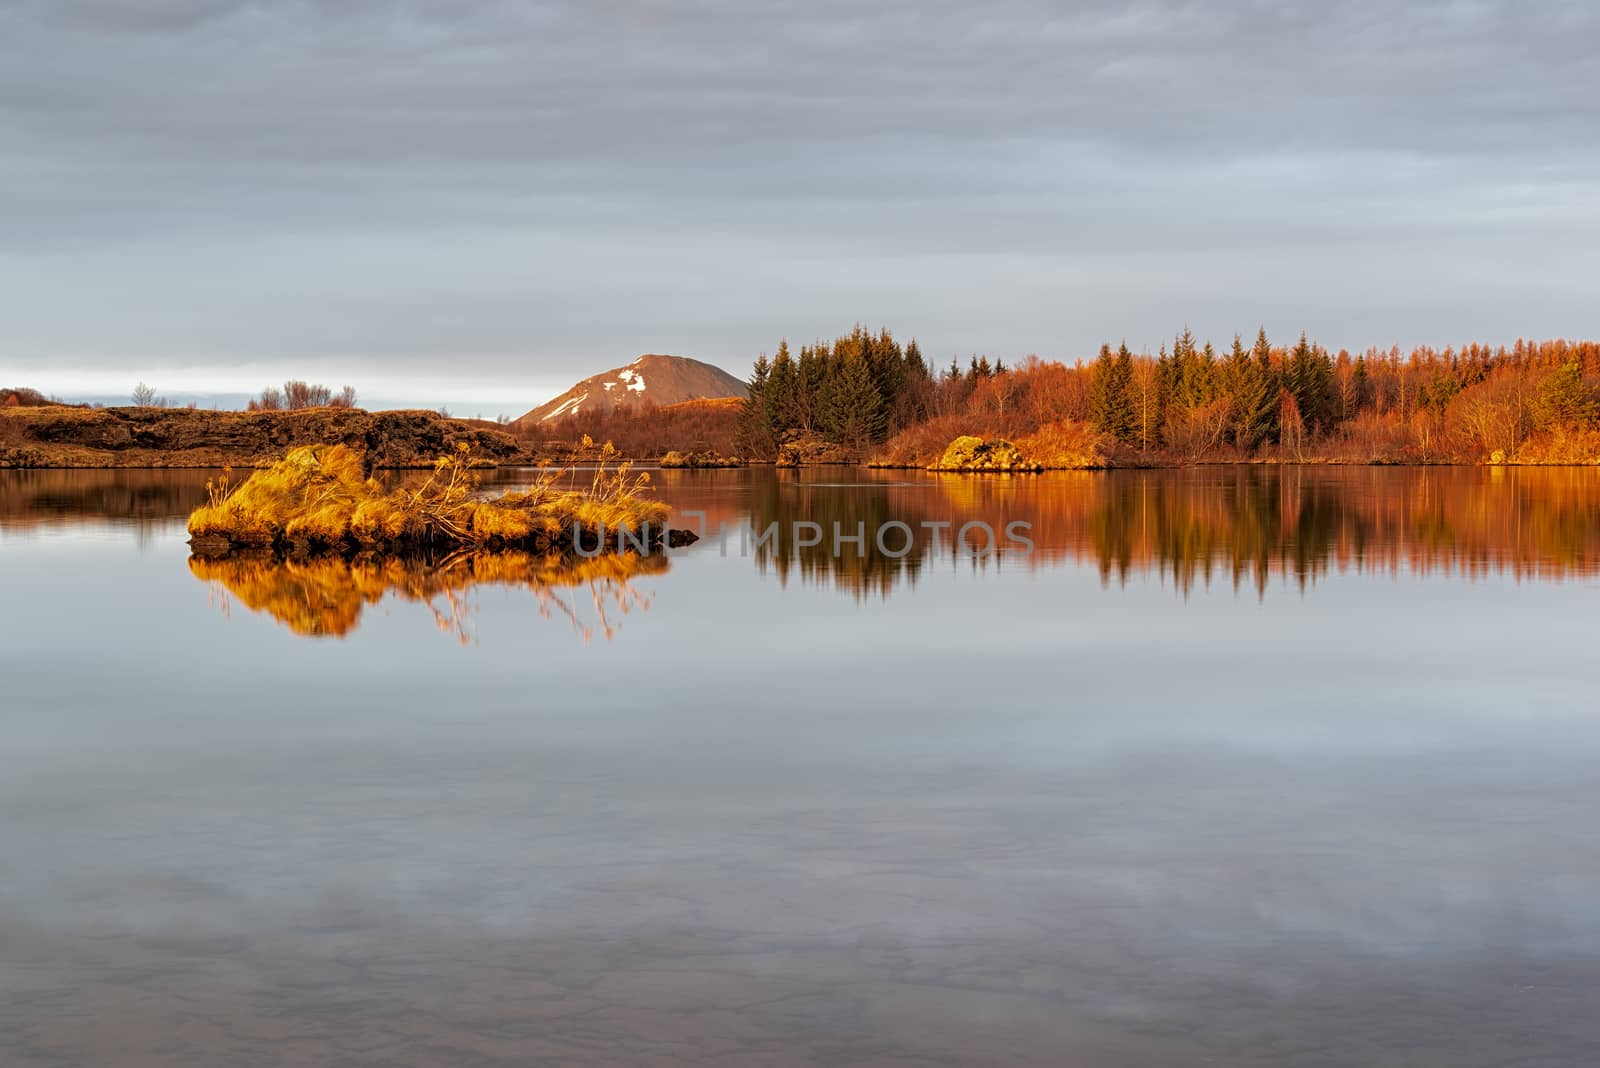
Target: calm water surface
1235 767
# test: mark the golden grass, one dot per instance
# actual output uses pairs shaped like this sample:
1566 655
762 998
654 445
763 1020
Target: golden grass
319 495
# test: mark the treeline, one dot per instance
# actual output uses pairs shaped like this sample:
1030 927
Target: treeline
296 395
856 391
1532 401
1193 401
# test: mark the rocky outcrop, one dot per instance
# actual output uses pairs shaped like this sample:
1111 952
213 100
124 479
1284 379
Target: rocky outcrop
699 460
805 448
182 437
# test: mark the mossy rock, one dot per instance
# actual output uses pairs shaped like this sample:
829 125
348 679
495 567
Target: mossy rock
700 459
969 453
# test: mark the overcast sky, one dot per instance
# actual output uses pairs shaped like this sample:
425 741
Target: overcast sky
210 195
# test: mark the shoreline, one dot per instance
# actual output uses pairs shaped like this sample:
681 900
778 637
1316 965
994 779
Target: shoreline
535 463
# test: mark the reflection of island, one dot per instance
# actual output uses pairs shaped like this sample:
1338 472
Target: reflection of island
325 595
1242 525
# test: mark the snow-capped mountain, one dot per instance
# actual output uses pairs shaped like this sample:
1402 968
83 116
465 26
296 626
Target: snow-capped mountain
661 379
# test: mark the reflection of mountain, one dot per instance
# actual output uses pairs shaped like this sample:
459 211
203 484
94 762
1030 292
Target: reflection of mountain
1245 525
325 596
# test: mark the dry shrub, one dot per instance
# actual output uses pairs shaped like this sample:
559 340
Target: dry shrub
924 443
1066 444
1374 438
1562 445
1193 433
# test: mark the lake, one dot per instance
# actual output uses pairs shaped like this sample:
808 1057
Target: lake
1228 765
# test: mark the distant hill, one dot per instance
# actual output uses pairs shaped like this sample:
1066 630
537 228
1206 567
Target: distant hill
663 380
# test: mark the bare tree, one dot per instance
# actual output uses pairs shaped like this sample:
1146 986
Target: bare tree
1291 426
1146 401
143 396
298 394
271 400
1196 431
1495 415
345 398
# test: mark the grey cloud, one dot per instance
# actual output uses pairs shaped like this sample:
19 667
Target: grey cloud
552 185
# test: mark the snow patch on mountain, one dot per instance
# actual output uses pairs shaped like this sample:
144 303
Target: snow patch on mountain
673 380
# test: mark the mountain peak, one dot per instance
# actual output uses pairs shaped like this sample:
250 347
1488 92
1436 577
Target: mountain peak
655 377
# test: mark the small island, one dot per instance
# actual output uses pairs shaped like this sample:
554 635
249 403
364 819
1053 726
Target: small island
325 499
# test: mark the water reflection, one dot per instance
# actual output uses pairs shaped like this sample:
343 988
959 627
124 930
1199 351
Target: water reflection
326 596
1249 526
143 501
1026 819
1246 526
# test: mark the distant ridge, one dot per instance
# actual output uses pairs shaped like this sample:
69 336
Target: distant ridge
663 380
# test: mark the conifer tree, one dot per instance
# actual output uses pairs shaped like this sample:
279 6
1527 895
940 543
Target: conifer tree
1252 387
1361 380
1127 420
1111 393
1100 376
1191 385
916 366
757 435
808 384
1564 399
1308 376
781 383
854 414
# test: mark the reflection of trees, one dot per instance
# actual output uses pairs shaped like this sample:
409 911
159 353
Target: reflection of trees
324 596
1245 524
866 568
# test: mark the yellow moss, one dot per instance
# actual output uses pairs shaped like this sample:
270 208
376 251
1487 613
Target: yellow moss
968 453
